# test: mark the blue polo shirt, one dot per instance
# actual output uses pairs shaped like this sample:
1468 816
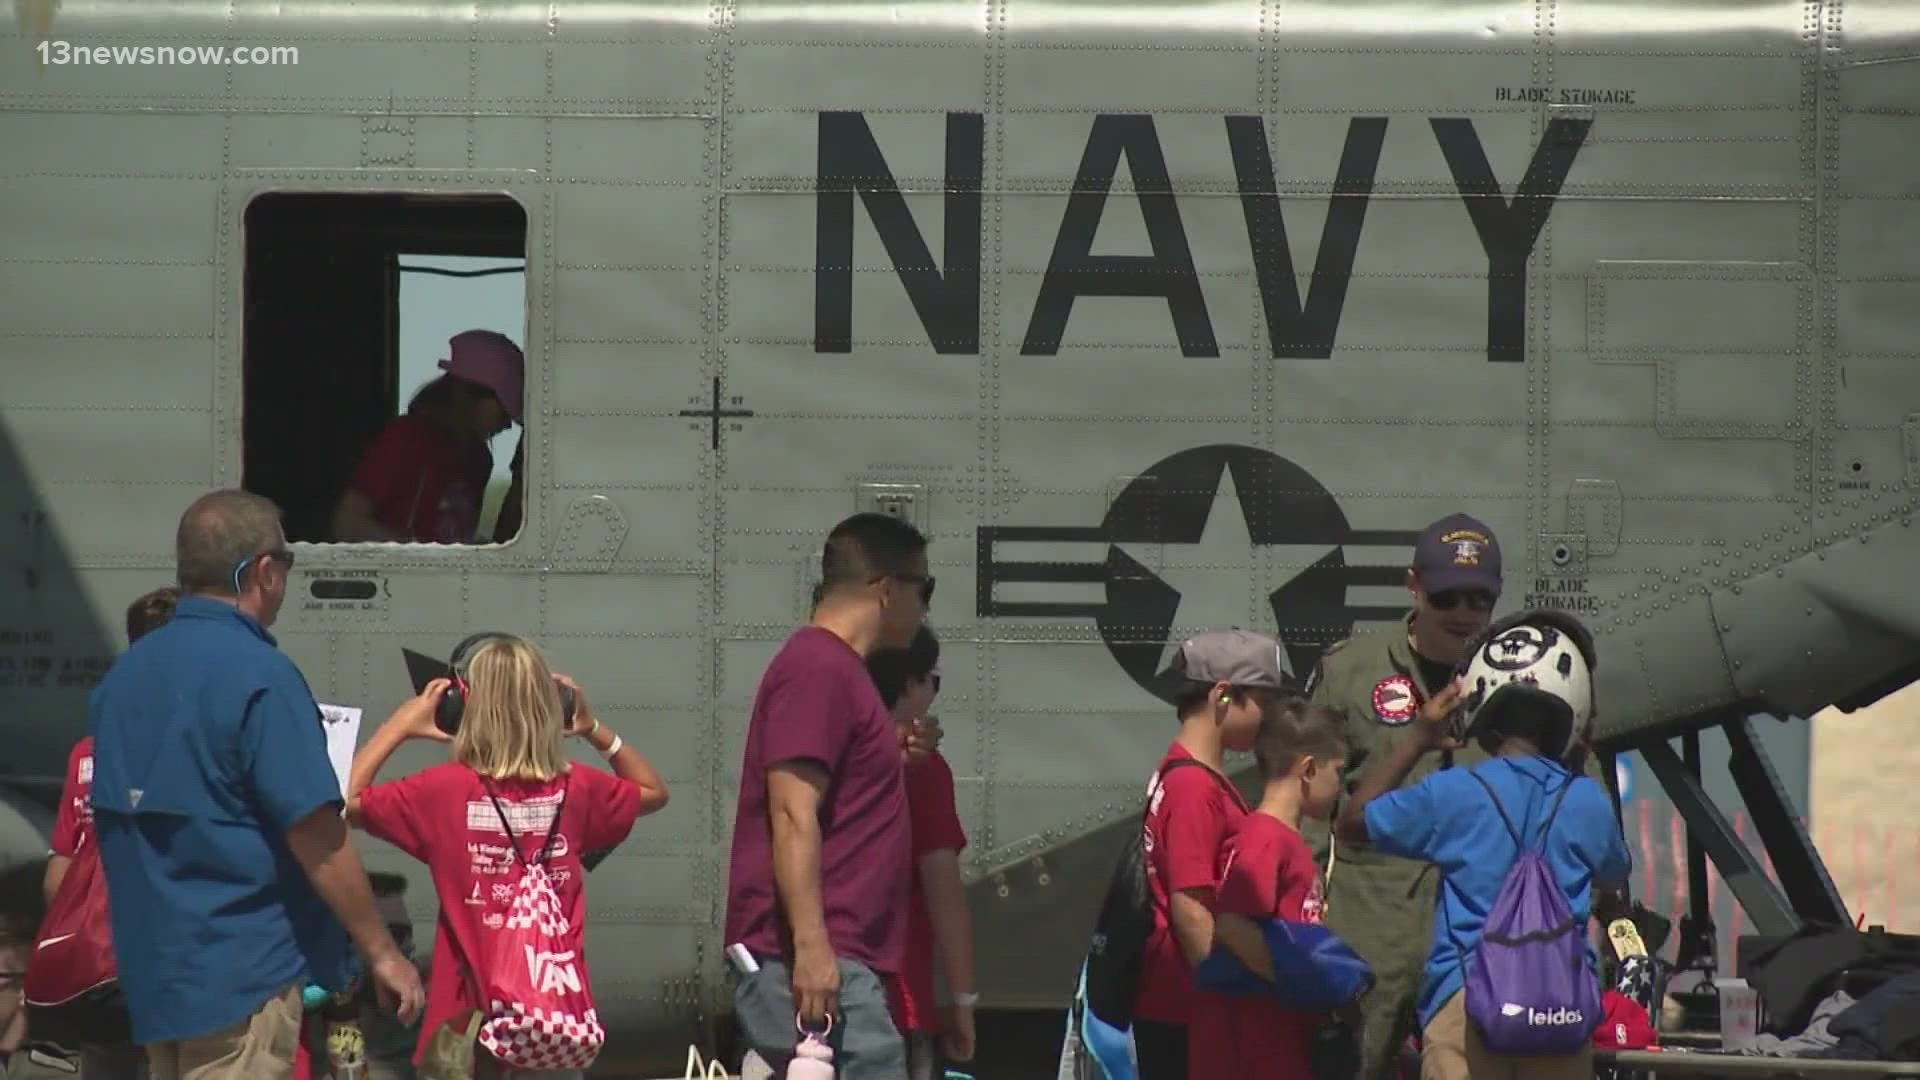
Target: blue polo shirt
1446 820
207 747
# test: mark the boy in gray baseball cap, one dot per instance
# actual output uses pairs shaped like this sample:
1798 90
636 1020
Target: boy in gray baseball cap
1238 658
1224 682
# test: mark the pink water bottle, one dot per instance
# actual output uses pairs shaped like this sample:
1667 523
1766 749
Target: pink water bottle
812 1058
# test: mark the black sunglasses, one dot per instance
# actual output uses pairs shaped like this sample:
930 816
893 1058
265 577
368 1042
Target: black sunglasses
925 582
282 555
1448 599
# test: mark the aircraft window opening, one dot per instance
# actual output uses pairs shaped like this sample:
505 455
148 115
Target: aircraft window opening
352 302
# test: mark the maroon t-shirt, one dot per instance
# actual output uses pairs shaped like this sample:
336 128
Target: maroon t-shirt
817 702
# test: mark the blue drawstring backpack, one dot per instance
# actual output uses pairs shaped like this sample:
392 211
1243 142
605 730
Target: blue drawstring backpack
1094 1049
1527 986
1313 969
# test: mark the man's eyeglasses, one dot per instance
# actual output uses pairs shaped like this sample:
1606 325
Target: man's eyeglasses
283 556
1448 599
925 582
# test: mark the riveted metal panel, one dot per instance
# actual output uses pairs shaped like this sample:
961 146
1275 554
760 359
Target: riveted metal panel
122 299
1587 232
94 145
89 373
655 151
690 445
604 229
101 221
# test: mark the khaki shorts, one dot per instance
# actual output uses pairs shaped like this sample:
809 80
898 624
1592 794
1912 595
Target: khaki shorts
1450 1049
261 1047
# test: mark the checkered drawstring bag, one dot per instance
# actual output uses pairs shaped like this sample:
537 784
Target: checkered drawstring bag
539 1012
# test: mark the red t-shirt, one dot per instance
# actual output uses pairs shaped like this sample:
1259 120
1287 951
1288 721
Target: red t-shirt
936 827
1189 819
421 486
817 702
1269 875
443 817
73 823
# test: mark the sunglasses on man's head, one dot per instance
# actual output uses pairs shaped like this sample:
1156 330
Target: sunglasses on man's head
1448 599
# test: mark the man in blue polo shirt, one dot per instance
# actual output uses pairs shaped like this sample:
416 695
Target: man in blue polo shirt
230 879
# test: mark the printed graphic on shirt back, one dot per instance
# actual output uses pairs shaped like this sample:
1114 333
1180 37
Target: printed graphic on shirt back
491 853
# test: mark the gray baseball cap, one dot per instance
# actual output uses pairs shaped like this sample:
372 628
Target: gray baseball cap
1237 657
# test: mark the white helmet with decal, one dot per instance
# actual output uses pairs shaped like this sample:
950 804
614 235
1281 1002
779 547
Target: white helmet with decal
1545 656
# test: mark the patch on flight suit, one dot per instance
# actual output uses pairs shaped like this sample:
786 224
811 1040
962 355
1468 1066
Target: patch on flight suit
1395 700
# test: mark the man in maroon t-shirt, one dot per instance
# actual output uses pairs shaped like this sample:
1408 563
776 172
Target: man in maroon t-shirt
817 884
1230 678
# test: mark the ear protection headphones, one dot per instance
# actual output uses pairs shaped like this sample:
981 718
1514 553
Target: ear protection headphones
453 703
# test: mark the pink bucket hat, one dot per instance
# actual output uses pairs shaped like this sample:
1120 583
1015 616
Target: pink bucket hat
491 360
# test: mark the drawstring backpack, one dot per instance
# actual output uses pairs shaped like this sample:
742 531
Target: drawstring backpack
1526 984
539 1010
72 985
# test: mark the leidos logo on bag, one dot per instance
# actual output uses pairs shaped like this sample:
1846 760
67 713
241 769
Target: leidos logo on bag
1535 1018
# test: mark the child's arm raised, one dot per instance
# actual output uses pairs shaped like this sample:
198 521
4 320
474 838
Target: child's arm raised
412 720
626 762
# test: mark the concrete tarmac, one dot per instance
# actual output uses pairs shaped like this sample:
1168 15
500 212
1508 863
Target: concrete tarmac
1013 1045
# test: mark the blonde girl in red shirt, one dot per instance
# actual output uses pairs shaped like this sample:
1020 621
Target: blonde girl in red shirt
510 746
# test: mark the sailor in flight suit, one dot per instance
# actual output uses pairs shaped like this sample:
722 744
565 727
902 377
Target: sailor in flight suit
1383 905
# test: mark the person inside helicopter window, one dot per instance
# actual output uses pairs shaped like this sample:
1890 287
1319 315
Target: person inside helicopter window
424 478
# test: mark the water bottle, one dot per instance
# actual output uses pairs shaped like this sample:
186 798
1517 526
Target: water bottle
812 1060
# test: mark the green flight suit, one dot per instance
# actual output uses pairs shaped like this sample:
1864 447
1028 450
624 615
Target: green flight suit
1380 904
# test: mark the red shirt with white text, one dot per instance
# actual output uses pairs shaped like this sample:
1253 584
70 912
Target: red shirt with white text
1269 875
1188 822
73 823
444 817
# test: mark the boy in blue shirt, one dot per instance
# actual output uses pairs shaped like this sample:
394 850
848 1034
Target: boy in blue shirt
1526 692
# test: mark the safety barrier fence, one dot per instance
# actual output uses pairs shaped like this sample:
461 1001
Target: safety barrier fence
1875 867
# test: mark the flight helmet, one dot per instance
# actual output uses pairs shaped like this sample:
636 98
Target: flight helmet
1545 658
